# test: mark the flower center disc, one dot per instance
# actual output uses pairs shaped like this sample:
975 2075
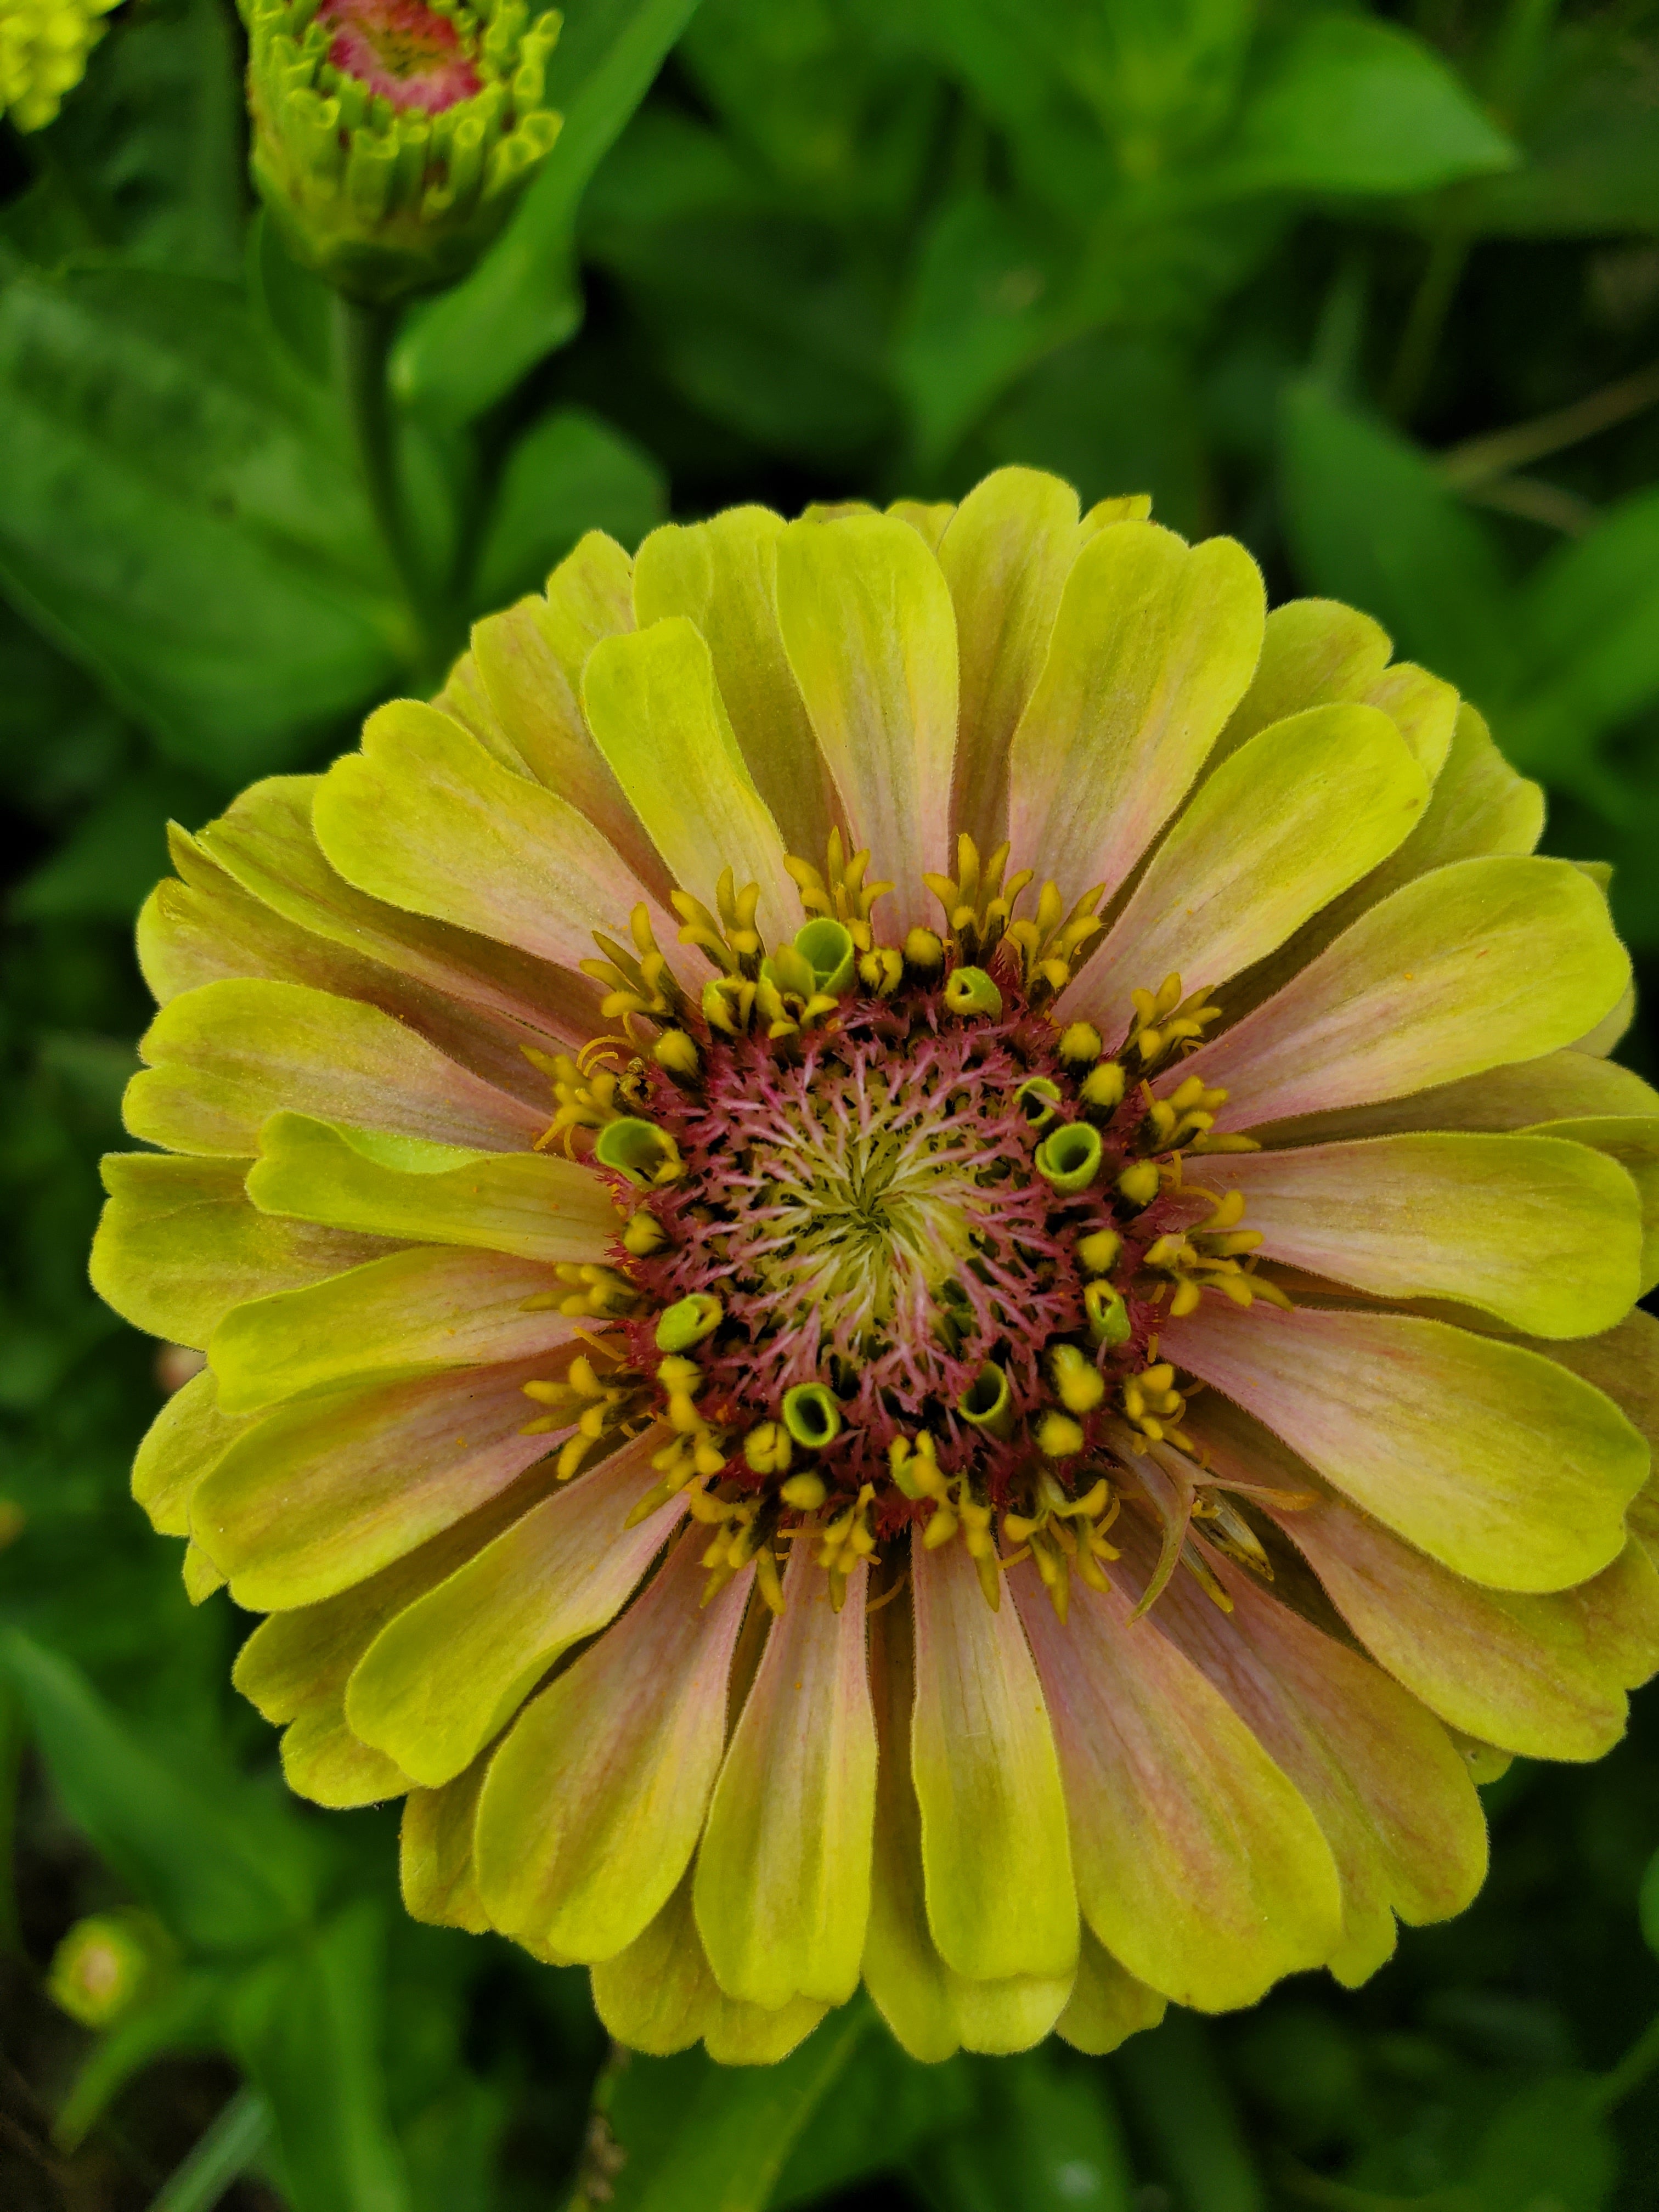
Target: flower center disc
403 50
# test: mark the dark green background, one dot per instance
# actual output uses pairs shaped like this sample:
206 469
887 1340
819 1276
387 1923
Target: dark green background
1325 277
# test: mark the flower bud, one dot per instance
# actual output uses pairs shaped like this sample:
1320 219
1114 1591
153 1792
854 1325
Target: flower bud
391 138
44 45
105 1965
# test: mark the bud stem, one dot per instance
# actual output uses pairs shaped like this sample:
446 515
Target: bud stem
362 351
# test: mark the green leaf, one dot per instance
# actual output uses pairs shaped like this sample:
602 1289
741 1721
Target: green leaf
694 2136
1589 616
225 1873
108 862
1180 2097
1046 2138
569 473
470 347
1648 1905
306 2025
188 524
184 2016
885 2105
1592 153
239 2134
152 141
1548 2149
1349 104
1370 522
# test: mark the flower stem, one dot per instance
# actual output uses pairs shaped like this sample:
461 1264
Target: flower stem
1420 339
362 350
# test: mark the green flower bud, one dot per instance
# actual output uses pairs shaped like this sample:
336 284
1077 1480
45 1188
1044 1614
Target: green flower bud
391 138
105 1965
44 45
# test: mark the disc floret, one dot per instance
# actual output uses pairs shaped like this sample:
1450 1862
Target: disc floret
898 1240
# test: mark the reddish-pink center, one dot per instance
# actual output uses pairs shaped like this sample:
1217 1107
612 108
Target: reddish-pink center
403 50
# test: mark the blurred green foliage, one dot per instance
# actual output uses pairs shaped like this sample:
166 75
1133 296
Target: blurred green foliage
1376 288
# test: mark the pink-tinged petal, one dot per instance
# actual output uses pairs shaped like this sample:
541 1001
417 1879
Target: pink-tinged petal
187 1438
434 1859
1314 653
1543 1676
1291 819
1199 1865
223 1058
722 575
595 1801
782 1889
1390 1791
265 840
325 1491
295 1665
1529 1094
867 624
656 714
1153 645
1543 1233
1476 964
659 1996
445 1674
529 662
533 1205
1001 1901
932 2010
1632 1141
207 929
1108 2005
179 1243
424 819
419 1312
1478 807
1492 1459
1005 555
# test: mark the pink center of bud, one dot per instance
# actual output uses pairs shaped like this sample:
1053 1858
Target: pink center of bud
403 50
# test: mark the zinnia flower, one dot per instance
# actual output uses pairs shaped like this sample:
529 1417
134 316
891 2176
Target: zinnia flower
44 45
917 1262
391 138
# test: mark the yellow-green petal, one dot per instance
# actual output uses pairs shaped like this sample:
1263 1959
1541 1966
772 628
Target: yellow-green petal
1200 1865
1108 2005
416 1312
1527 1095
424 818
987 1783
528 1204
1462 970
1632 1140
868 626
179 1243
223 1058
187 1438
443 1676
1314 652
782 1887
1152 646
1494 1461
659 1996
594 1802
326 1490
434 1855
656 716
1005 555
1290 820
932 2010
722 575
1543 1233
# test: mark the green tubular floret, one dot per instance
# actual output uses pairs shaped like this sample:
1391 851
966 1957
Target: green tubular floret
988 1403
1069 1158
638 1150
382 203
812 1415
1108 1315
1038 1098
828 950
689 1320
970 991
